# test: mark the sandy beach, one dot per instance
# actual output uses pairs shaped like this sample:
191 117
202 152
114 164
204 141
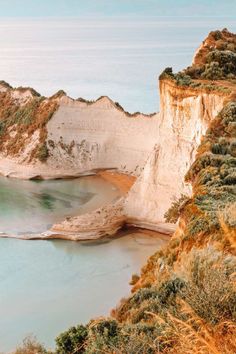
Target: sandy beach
122 181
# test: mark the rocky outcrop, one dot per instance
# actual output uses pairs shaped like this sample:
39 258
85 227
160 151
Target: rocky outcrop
184 118
104 221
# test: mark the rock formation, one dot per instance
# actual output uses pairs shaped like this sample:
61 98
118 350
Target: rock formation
184 118
76 137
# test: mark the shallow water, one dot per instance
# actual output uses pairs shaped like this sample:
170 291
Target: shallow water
47 286
33 206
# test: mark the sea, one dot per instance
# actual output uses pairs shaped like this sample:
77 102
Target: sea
89 57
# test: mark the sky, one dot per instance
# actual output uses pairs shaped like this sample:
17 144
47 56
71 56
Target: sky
73 8
117 48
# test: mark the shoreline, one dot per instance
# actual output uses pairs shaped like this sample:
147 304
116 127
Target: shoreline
107 220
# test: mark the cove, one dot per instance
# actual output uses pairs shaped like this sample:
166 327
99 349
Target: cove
48 286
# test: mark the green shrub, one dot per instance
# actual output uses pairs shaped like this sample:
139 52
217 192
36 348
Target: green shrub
72 341
197 225
224 59
194 71
182 79
230 179
103 336
212 71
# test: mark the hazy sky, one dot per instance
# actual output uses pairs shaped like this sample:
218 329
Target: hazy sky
23 8
111 47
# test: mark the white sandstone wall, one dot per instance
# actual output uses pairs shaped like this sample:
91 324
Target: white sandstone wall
85 137
184 117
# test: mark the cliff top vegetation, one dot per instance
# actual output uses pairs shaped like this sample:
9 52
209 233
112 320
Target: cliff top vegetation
213 67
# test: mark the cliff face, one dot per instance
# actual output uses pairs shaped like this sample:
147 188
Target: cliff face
86 136
184 118
58 136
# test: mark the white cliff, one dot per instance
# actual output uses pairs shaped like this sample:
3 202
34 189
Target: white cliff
94 136
184 117
82 137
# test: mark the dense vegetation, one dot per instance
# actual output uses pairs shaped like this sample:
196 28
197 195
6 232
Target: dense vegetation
216 59
184 80
214 66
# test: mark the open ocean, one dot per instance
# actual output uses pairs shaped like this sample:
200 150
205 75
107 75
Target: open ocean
118 57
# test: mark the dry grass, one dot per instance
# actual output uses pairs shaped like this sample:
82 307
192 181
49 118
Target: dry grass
18 122
30 345
198 337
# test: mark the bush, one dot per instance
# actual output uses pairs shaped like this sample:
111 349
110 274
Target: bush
173 214
167 73
182 79
135 279
209 290
225 59
216 34
43 152
72 341
212 71
104 336
30 346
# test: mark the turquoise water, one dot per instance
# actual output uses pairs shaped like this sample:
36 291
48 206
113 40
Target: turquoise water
47 286
33 206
